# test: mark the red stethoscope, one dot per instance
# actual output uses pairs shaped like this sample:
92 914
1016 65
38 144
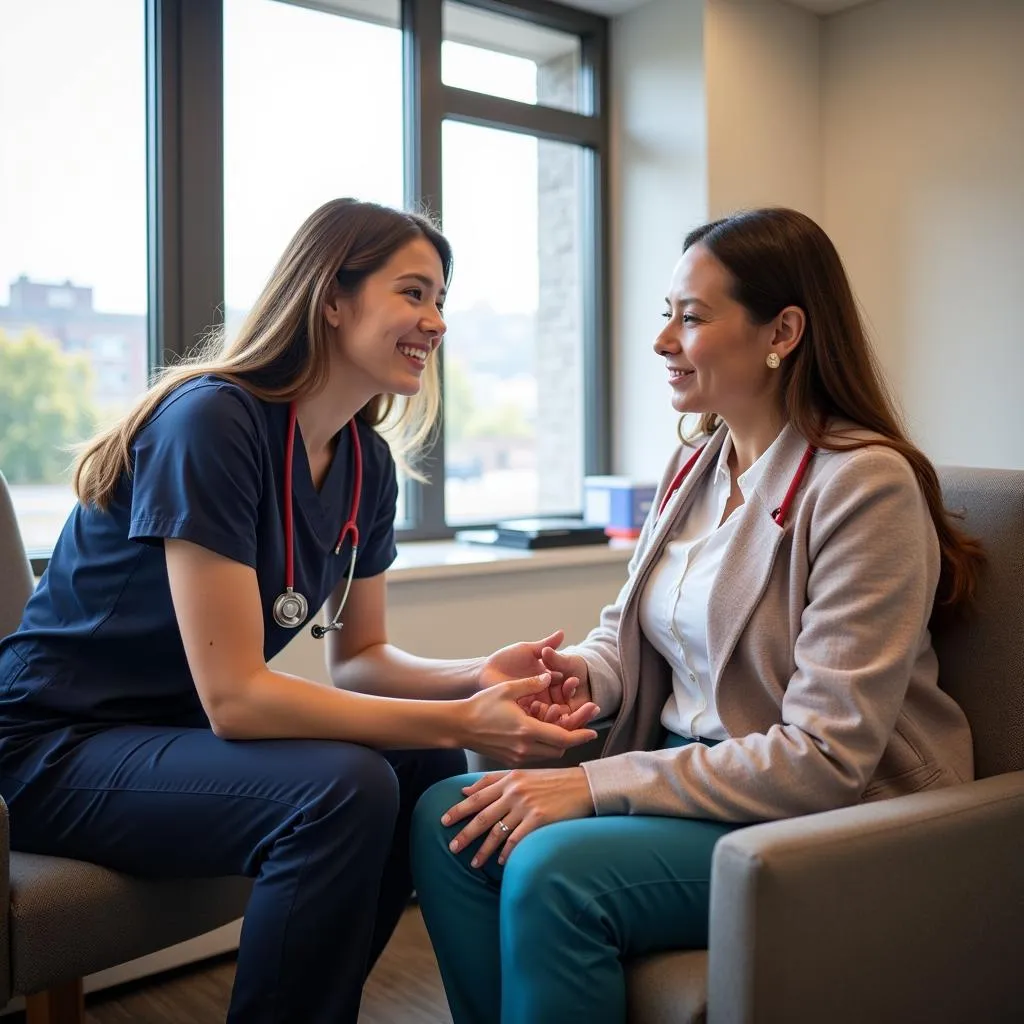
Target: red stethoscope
291 607
779 515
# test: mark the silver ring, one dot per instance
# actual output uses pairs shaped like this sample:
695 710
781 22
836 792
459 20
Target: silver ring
504 828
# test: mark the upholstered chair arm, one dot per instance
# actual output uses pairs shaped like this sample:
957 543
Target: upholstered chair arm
5 905
905 909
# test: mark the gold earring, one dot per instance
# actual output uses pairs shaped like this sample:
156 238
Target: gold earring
773 360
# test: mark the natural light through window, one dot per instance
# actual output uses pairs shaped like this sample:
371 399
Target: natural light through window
313 109
513 354
510 57
293 137
73 287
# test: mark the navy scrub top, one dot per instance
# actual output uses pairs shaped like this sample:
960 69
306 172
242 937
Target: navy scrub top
99 644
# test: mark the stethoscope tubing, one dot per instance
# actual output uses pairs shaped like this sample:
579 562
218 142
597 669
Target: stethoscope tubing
291 599
779 515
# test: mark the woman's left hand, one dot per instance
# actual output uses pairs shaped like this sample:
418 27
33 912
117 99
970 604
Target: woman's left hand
522 800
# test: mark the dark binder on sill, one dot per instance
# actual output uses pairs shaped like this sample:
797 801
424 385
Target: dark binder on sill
548 533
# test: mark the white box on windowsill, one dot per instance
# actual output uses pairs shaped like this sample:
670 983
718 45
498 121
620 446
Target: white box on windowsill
617 503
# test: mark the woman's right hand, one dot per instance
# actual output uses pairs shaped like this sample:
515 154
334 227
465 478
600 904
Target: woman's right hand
493 723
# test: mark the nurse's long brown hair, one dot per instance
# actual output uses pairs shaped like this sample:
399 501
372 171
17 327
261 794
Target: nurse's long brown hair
780 258
282 348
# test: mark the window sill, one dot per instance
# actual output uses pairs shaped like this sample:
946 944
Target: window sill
433 560
453 559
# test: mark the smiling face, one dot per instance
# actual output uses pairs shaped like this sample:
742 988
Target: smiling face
393 324
715 354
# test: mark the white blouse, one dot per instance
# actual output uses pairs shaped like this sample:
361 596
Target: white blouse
673 606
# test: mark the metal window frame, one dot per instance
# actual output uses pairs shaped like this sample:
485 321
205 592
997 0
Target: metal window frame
423 113
185 174
429 102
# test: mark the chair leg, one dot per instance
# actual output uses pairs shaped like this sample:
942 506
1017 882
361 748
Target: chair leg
64 1004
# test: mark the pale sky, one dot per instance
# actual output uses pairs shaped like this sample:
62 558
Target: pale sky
312 111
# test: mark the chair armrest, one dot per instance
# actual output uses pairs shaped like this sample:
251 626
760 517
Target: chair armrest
5 904
906 909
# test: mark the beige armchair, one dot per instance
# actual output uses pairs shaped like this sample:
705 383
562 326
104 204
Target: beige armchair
65 919
908 910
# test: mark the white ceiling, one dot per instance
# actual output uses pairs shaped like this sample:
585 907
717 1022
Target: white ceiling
609 8
827 6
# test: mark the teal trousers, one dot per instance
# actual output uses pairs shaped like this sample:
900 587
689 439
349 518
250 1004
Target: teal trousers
542 940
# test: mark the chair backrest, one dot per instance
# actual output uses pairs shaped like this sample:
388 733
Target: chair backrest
16 581
981 657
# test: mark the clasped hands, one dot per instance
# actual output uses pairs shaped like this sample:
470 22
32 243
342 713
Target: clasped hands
564 700
553 695
550 688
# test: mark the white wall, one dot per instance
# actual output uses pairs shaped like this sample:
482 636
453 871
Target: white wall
715 107
899 125
763 84
659 191
923 104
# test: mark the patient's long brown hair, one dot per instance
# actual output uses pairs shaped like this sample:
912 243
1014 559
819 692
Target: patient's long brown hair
780 258
282 349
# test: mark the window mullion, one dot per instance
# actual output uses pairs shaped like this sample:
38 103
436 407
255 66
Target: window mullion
185 144
510 115
421 42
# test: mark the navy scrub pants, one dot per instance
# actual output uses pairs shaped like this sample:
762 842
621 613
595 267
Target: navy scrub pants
322 827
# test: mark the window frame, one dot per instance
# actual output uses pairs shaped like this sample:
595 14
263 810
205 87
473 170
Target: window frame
185 186
429 102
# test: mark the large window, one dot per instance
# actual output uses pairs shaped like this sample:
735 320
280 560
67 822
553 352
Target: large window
73 285
523 143
312 111
514 349
158 154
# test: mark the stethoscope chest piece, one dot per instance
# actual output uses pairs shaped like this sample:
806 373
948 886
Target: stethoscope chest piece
290 609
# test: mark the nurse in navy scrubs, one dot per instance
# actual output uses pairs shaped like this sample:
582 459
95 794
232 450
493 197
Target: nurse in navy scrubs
140 725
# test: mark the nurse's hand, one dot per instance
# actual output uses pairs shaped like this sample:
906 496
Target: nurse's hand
521 801
568 691
493 723
517 661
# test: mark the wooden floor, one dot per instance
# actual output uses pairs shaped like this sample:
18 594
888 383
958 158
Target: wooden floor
404 988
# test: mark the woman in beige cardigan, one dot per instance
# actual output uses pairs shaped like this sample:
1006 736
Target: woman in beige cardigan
768 656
